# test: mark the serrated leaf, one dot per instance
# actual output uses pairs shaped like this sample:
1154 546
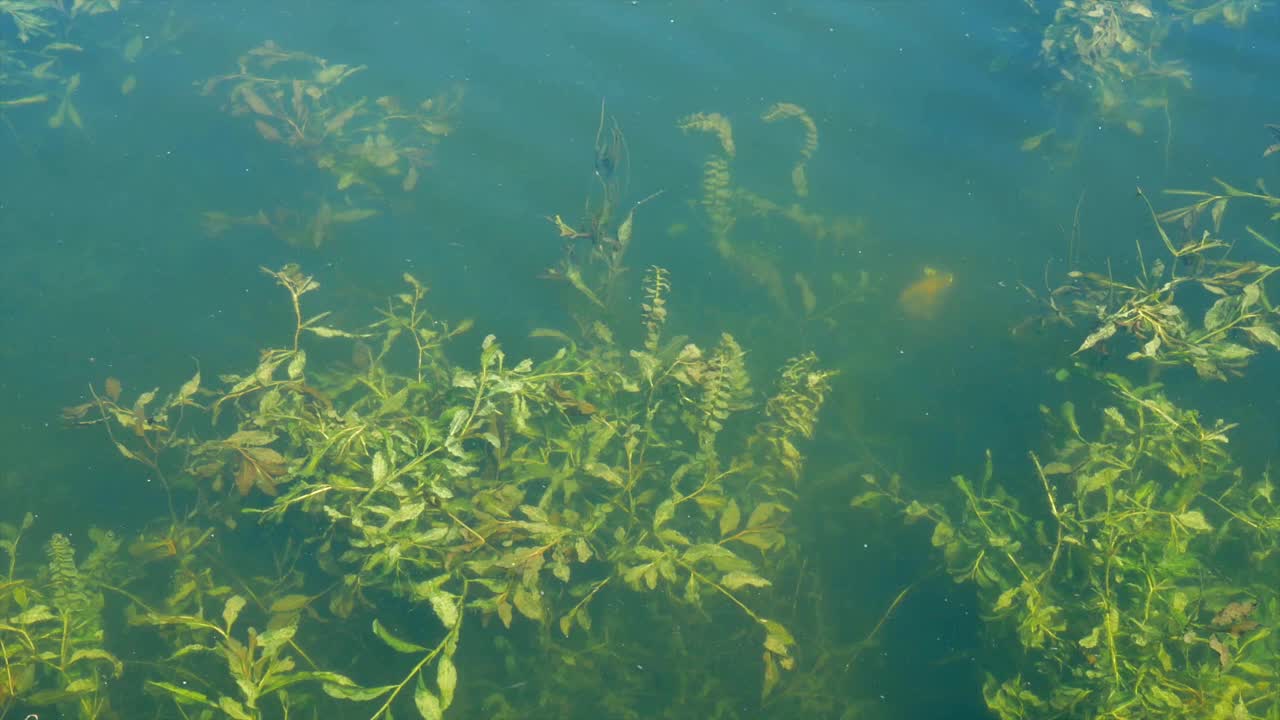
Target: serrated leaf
1097 336
289 603
250 438
737 579
447 680
528 603
272 640
233 708
81 686
730 518
763 513
127 452
356 693
604 472
1152 347
942 534
379 467
328 332
297 365
181 694
1194 520
190 387
96 654
1221 313
427 703
231 610
445 608
1264 333
32 615
393 642
665 511
1215 213
394 402
866 498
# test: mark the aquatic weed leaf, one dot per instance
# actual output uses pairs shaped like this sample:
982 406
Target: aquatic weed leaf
182 694
231 610
350 691
736 580
446 680
1194 520
730 518
426 702
1106 331
393 642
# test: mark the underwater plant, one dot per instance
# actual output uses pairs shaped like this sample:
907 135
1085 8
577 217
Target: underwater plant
299 100
744 227
35 72
512 492
1114 57
1135 584
1131 563
376 147
1196 274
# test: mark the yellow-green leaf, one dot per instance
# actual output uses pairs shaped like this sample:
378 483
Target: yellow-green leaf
427 703
379 467
1264 333
528 603
730 518
356 693
447 679
738 579
232 609
442 603
181 694
297 365
666 510
233 709
190 387
395 643
604 472
289 603
1194 520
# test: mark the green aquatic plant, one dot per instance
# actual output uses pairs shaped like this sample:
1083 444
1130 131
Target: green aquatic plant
1156 312
1134 580
596 278
734 216
1213 204
55 651
36 70
51 638
514 492
257 664
301 100
373 147
1110 50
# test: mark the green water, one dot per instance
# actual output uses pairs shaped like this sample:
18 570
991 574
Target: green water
962 161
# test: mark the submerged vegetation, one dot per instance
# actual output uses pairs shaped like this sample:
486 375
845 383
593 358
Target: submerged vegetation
399 517
1133 562
1113 55
35 71
511 492
302 101
743 226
